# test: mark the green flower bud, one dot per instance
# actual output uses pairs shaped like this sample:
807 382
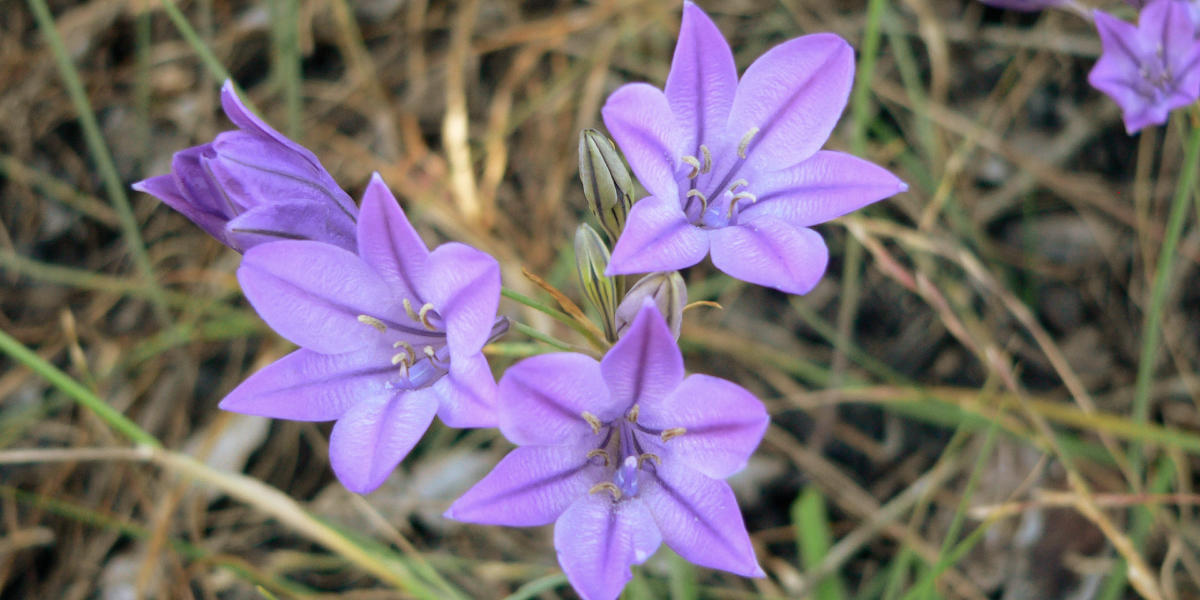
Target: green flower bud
669 294
591 259
606 181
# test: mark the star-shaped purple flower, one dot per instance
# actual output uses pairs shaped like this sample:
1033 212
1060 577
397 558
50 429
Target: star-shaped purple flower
735 167
622 455
388 338
254 185
1152 68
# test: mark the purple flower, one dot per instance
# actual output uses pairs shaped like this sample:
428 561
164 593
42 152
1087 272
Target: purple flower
621 456
254 185
1150 69
734 166
388 338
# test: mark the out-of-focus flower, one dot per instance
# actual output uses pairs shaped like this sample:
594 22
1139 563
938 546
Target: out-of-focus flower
621 456
735 167
389 337
254 185
1151 68
669 294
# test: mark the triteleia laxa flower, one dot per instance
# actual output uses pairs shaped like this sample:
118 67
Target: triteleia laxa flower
253 185
621 457
389 337
735 167
1151 68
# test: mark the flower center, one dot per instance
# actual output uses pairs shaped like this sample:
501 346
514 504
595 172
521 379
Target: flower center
1156 75
714 197
420 355
623 448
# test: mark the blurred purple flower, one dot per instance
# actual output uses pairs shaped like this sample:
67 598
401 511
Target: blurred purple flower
1025 5
388 338
735 167
1148 69
254 185
621 457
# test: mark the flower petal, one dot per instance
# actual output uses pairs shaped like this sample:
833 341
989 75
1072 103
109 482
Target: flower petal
467 393
645 364
657 237
699 519
826 186
244 119
388 242
313 293
720 433
793 95
541 400
375 434
307 386
189 190
702 80
464 286
256 170
291 220
770 252
530 486
640 120
598 540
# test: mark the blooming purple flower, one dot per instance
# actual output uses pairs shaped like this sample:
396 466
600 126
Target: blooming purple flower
254 185
1148 69
621 456
734 166
388 338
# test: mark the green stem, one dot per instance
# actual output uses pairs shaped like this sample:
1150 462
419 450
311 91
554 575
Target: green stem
539 336
555 314
193 39
14 348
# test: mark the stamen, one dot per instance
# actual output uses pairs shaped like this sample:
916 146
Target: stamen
672 433
633 413
412 354
737 184
707 159
400 357
745 143
404 369
598 452
703 200
647 456
408 309
373 322
740 196
695 162
607 486
431 354
424 316
592 420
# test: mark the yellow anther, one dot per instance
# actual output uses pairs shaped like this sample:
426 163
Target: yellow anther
598 452
647 456
408 309
740 196
592 420
412 354
672 433
707 159
607 486
737 184
694 193
633 413
745 143
695 162
400 357
431 354
424 316
373 322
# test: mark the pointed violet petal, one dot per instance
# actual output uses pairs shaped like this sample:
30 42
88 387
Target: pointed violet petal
307 386
313 293
375 434
640 120
770 252
826 186
530 486
699 519
645 364
793 95
244 119
542 399
166 188
262 171
702 80
657 237
388 242
720 433
463 284
598 540
467 394
302 220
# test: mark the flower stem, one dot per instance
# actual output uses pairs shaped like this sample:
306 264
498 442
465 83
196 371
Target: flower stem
555 314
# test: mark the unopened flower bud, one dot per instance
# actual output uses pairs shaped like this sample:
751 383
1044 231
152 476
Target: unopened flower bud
591 259
667 290
606 181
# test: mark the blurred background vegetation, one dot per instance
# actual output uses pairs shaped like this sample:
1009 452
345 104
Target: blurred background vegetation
958 410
